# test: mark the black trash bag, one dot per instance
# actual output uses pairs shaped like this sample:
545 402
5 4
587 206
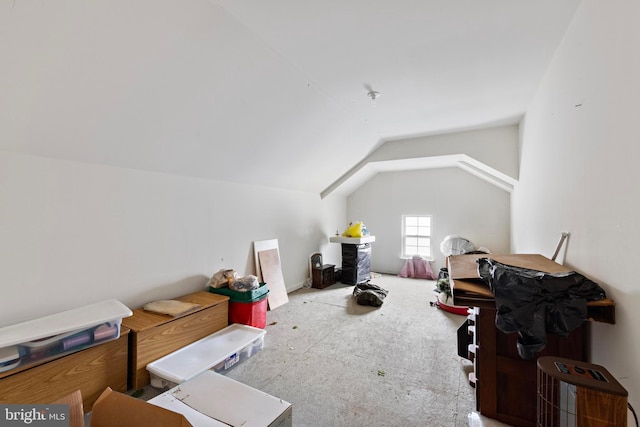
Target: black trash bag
534 303
356 263
369 294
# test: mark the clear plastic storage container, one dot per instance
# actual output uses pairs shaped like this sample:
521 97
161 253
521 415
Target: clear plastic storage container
50 337
219 351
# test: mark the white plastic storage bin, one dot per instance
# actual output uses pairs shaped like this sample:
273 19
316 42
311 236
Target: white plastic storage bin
49 337
219 351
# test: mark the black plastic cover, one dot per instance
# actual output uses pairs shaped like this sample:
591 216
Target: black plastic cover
464 339
356 263
534 303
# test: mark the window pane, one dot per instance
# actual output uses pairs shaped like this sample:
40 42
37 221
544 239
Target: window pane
416 235
424 221
411 220
424 251
424 241
424 231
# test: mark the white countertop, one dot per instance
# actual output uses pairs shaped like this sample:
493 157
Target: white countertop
352 240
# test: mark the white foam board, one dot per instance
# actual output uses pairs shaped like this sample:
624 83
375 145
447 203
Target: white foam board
197 419
226 401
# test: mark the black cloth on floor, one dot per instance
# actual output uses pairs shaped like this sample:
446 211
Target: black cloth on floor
369 294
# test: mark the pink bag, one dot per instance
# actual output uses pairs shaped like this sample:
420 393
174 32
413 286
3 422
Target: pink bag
417 268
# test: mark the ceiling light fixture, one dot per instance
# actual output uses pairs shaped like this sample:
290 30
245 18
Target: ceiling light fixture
373 95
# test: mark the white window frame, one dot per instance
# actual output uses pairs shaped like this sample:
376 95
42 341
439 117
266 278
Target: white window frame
420 234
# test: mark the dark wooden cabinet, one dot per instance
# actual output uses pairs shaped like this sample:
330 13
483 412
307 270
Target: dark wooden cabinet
323 277
505 383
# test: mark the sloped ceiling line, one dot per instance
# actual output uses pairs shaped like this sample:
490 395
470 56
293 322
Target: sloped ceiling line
366 170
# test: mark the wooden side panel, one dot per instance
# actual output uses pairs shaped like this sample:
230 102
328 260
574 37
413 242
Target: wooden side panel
76 411
594 408
90 371
486 362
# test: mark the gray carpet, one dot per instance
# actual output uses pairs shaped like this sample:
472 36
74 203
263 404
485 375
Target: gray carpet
342 364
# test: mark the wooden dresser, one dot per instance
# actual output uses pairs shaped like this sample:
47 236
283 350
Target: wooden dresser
323 276
505 383
155 335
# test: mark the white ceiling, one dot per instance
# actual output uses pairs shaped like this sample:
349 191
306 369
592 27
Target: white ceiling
265 92
439 66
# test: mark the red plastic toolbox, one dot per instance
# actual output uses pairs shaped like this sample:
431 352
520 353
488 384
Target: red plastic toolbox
249 313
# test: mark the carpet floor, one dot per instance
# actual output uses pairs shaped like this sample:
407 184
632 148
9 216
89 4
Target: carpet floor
343 364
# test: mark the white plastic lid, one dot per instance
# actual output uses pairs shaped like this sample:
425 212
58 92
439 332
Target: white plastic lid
60 323
189 361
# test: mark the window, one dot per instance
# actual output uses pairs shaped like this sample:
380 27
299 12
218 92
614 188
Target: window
416 235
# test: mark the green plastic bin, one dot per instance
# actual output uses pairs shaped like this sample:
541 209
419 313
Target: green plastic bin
237 296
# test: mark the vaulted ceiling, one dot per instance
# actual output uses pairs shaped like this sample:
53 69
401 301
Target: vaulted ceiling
261 92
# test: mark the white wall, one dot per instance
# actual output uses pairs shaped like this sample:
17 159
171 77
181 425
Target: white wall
460 203
96 93
490 153
496 147
181 87
73 233
579 171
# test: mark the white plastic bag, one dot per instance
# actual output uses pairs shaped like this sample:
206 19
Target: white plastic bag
223 278
456 245
245 284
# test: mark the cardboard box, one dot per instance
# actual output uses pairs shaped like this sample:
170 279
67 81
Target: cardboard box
76 411
114 409
214 400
